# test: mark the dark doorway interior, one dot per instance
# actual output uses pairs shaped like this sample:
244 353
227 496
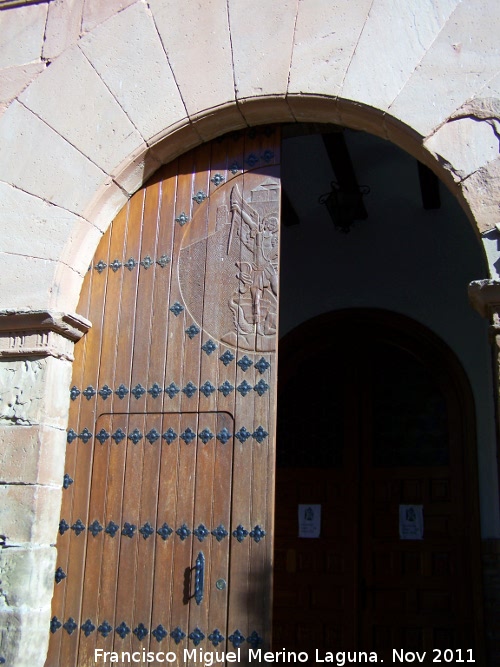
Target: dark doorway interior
375 420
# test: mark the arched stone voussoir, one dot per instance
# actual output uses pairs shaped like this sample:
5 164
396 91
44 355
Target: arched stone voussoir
262 35
325 39
197 41
109 197
86 114
127 54
38 160
391 45
458 65
31 226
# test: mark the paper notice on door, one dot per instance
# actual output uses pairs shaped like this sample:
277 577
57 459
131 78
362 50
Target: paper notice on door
411 522
309 520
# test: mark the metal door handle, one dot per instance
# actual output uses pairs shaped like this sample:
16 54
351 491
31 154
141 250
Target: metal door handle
199 578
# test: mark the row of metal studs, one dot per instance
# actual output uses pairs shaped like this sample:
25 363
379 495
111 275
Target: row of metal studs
159 633
188 435
164 531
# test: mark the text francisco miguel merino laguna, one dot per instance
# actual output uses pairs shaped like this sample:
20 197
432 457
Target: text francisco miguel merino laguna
209 658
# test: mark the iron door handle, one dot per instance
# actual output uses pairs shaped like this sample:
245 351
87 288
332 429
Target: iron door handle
199 578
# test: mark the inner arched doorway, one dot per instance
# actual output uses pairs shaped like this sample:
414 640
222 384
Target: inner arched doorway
376 438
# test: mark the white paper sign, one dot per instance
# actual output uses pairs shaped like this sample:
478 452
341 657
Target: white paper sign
309 520
411 522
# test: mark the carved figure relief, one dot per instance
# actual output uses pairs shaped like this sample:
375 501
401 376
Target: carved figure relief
240 254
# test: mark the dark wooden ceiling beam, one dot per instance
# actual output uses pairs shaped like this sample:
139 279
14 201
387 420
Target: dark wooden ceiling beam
338 153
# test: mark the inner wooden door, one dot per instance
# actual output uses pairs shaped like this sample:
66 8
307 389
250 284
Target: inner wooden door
374 425
165 533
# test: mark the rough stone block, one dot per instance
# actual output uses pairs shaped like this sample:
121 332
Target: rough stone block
23 636
326 35
29 514
262 39
127 53
64 23
32 455
200 37
482 193
390 47
99 129
465 145
34 391
55 171
460 62
21 34
26 576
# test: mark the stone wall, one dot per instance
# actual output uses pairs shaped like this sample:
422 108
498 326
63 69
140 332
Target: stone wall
35 373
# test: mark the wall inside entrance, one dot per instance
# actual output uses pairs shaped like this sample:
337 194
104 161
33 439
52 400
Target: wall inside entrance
402 258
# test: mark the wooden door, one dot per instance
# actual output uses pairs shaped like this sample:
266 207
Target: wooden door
164 538
315 579
416 594
375 433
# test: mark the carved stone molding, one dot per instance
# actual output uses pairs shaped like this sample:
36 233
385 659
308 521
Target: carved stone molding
484 296
40 333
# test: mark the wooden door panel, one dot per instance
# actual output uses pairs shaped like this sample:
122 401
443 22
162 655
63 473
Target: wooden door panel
412 456
182 294
314 577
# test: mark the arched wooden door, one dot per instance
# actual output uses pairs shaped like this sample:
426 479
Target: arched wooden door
376 434
167 500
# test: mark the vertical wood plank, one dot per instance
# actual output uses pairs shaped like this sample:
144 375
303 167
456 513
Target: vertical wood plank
84 446
60 589
132 460
98 492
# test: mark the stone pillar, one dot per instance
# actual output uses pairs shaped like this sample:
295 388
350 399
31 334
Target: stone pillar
36 351
485 297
